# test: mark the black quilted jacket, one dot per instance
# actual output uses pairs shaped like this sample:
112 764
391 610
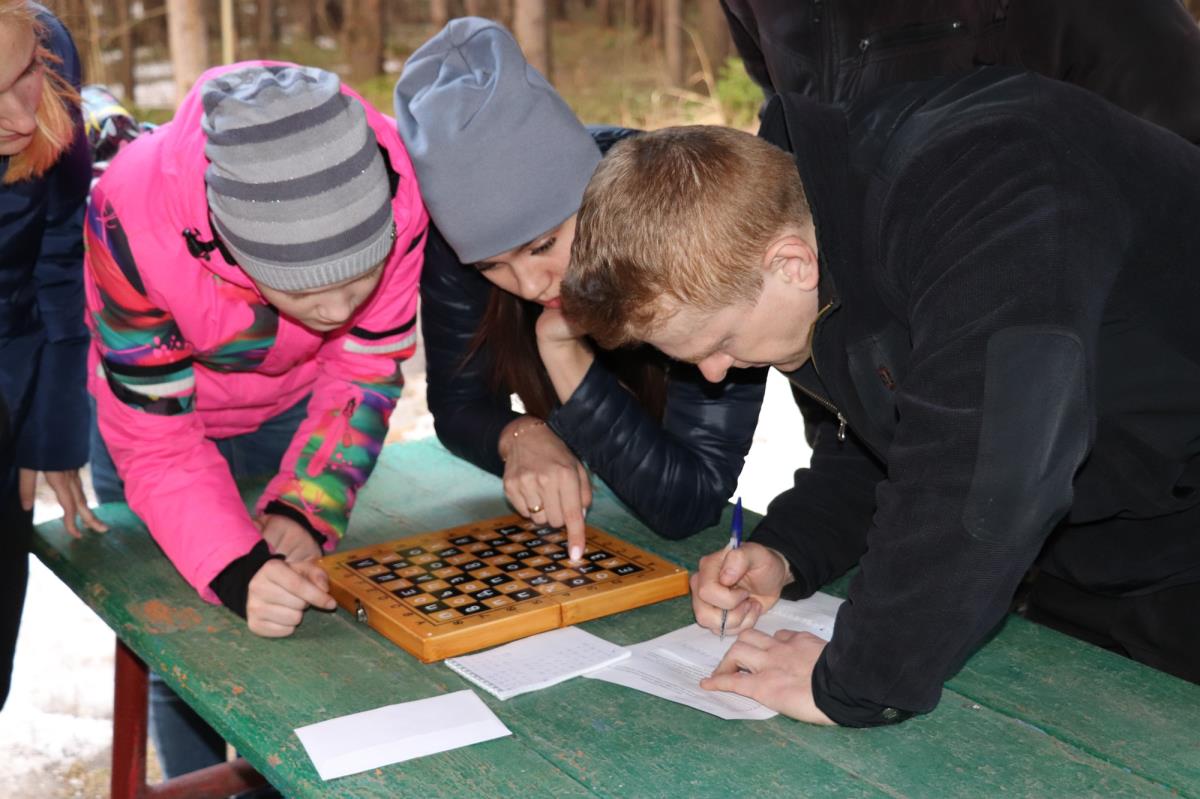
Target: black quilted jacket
676 476
1143 56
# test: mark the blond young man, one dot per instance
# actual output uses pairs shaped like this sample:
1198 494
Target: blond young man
986 285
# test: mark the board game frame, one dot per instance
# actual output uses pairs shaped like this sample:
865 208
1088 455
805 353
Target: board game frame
374 584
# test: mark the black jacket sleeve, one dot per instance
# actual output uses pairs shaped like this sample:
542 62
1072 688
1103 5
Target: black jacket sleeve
994 413
820 524
232 585
676 476
467 415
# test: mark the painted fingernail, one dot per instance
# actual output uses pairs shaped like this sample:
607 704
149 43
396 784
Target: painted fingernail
576 552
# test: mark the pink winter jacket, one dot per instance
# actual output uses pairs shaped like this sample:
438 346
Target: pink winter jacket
185 350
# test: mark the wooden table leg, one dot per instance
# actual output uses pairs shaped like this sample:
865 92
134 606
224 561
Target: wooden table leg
131 698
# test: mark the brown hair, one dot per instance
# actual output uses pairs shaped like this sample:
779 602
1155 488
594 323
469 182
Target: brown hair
55 124
679 213
507 328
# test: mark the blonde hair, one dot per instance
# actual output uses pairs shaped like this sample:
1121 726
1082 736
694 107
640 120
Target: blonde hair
55 123
679 213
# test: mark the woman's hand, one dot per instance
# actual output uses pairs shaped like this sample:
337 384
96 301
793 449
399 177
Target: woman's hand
68 490
565 354
544 480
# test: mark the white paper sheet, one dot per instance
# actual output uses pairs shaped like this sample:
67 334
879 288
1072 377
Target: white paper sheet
672 665
537 662
395 733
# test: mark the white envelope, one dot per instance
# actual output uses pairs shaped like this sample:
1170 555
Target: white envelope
395 733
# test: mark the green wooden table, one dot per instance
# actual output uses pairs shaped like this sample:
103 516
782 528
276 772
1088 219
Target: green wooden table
1034 713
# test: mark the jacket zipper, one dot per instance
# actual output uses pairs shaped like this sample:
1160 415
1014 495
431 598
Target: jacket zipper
824 403
824 31
338 433
908 35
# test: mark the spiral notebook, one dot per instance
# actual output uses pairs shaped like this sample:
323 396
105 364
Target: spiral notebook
537 662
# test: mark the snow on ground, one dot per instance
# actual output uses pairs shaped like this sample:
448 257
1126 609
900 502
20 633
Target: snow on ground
55 731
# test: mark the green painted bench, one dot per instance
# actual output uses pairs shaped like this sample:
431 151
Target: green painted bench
1033 713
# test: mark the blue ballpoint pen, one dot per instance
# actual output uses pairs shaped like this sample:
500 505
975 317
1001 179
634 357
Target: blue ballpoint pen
735 541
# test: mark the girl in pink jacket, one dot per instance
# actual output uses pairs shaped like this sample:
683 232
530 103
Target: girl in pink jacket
252 265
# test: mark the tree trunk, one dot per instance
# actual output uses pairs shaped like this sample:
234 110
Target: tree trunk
155 27
673 36
267 34
74 15
333 15
125 41
302 16
604 12
531 26
647 16
439 13
504 13
364 38
187 38
229 35
473 8
714 35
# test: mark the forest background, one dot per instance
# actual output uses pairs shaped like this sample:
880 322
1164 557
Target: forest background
640 63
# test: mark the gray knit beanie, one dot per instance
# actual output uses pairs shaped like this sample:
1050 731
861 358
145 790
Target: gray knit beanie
296 184
500 157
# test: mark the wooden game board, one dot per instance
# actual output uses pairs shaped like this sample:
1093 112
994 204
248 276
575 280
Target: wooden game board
447 592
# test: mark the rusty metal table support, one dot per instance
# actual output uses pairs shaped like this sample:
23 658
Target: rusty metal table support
131 694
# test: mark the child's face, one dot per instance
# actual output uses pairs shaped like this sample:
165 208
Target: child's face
20 87
534 270
327 309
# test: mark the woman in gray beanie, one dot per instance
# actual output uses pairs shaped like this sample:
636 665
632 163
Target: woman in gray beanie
503 163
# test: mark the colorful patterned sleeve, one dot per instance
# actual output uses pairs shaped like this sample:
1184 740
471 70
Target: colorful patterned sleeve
335 449
146 362
143 380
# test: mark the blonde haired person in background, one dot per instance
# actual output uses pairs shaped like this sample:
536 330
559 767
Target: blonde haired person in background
43 342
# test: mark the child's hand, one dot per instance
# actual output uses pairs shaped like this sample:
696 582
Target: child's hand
288 538
280 593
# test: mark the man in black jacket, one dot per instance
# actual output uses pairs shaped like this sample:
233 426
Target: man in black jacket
990 283
1143 56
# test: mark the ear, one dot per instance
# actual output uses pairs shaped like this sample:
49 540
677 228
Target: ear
793 258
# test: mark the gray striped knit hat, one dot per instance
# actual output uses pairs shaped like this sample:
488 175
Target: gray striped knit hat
296 184
500 157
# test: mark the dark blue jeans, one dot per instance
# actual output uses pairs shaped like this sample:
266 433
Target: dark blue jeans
184 741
